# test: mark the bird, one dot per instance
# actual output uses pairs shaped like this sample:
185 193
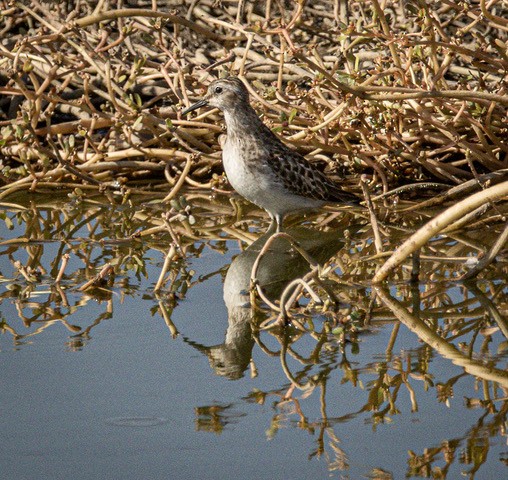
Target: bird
258 165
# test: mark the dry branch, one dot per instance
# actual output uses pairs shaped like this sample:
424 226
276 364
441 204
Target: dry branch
438 224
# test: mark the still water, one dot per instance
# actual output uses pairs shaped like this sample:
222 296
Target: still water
121 382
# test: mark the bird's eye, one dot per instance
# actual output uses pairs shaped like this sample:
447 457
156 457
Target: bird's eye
218 89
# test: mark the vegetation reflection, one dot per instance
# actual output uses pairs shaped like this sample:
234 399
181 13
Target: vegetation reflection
303 298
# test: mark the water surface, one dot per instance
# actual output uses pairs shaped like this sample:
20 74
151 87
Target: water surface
119 381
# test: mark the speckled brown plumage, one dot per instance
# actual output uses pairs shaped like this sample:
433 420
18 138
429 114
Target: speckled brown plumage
259 166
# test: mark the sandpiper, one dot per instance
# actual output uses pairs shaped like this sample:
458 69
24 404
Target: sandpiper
258 165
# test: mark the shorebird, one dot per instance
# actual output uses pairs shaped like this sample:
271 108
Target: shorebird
258 165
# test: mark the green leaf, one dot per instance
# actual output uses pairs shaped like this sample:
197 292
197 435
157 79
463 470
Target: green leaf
137 124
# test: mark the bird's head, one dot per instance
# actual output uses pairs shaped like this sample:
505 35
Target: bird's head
224 94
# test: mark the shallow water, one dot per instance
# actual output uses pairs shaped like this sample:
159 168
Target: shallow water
121 382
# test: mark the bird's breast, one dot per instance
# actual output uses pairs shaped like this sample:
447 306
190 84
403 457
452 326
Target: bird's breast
245 168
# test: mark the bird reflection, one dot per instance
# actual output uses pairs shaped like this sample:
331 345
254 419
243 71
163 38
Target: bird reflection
280 265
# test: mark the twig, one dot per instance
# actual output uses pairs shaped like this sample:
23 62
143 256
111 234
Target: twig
490 256
98 17
65 260
167 261
105 272
373 219
181 180
437 224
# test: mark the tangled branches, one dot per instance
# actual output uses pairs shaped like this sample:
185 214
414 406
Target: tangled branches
401 92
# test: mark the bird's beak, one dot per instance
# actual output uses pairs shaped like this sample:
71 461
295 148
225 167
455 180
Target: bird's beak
202 103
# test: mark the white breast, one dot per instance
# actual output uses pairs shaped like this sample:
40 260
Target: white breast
243 178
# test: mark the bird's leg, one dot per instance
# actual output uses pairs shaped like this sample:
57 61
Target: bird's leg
278 219
274 224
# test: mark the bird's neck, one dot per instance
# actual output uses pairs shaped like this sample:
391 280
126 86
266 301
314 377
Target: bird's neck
242 120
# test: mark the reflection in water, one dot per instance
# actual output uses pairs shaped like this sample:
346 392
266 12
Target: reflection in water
477 367
280 264
215 418
388 356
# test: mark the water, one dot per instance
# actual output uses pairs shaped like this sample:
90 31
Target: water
121 382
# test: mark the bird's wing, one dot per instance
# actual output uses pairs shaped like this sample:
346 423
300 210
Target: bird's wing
301 178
